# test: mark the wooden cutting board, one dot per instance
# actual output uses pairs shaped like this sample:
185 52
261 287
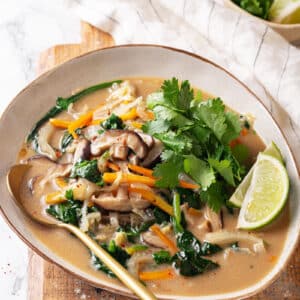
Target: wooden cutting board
49 282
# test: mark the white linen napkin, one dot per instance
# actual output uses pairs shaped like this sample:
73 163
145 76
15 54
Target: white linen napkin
251 50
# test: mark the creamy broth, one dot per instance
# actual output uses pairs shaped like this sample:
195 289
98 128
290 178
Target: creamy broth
238 270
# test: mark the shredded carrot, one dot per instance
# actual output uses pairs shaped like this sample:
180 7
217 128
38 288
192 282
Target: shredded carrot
113 166
59 123
164 238
234 142
131 115
137 125
149 173
60 182
141 170
96 122
55 198
82 121
154 199
244 132
188 185
128 178
194 212
150 115
157 275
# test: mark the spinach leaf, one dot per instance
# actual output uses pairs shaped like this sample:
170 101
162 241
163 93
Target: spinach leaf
67 212
116 252
162 257
160 216
133 232
189 259
87 169
63 103
192 265
113 122
67 139
209 249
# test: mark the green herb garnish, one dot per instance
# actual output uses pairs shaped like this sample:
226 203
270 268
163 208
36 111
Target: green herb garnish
63 103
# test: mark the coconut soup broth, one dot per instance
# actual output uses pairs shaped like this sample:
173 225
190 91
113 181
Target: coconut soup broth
237 269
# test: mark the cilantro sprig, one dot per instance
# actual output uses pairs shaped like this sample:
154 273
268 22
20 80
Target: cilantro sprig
196 135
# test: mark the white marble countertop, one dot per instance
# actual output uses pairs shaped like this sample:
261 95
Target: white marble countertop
27 27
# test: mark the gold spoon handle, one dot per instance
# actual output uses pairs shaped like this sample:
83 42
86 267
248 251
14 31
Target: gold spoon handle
132 283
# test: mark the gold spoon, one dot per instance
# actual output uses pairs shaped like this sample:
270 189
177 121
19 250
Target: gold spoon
14 178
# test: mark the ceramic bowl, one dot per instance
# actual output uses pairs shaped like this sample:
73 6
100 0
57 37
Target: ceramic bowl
132 61
291 32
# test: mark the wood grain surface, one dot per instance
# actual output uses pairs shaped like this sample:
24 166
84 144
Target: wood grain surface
49 282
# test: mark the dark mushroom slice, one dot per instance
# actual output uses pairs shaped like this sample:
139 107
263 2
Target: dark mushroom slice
147 139
83 150
125 137
154 154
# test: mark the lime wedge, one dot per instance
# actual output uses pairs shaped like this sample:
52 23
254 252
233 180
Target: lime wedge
266 194
285 11
238 196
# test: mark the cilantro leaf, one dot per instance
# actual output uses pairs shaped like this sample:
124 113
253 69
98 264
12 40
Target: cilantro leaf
214 196
233 127
155 99
258 8
212 114
157 126
171 91
199 170
168 172
185 96
177 143
224 168
177 119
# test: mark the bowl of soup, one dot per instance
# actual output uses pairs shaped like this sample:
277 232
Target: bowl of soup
142 148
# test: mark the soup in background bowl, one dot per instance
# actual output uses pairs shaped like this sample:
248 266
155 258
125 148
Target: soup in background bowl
112 138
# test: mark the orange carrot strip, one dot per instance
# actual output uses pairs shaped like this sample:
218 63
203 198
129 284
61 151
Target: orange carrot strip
113 166
141 170
244 132
150 115
157 275
149 173
194 212
131 115
128 178
137 125
59 123
154 199
164 238
188 185
60 182
82 121
96 122
55 198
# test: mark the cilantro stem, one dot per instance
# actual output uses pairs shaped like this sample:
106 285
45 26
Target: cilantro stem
177 212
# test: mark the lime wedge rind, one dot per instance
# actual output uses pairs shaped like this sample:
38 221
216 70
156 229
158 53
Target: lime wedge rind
252 204
238 196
